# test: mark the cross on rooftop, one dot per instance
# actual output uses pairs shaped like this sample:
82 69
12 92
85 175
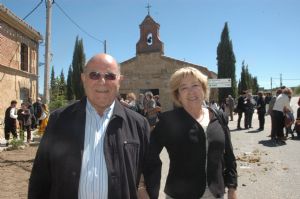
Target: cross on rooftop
148 8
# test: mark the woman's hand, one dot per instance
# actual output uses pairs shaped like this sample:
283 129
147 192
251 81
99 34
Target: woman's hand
232 193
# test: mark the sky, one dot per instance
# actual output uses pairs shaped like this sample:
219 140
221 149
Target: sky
265 33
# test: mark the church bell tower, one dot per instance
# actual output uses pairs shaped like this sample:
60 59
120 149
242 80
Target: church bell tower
149 37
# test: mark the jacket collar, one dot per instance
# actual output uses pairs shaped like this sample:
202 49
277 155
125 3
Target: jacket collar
118 109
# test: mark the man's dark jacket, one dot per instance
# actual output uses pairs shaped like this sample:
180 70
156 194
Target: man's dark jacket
185 142
241 104
57 166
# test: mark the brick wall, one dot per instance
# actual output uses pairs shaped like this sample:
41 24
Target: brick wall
16 84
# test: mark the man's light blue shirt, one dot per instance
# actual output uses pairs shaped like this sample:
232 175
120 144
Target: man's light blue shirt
93 182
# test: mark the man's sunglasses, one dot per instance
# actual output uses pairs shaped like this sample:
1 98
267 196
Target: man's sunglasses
106 76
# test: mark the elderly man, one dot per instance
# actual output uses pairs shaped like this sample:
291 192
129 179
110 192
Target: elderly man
94 148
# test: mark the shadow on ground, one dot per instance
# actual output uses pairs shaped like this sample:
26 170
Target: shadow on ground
271 143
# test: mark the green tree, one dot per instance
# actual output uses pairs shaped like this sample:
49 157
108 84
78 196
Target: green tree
78 63
226 64
69 94
53 86
248 78
247 82
62 85
58 91
255 86
243 80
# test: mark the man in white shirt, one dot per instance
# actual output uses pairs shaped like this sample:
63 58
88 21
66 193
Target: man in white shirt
10 121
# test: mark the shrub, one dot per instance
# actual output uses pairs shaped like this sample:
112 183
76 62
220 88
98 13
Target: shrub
15 143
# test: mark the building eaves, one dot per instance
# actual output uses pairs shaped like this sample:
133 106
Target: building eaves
14 21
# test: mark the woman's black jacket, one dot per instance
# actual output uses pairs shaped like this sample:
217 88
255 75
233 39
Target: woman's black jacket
185 142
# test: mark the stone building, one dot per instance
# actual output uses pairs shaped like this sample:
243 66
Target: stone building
19 45
150 69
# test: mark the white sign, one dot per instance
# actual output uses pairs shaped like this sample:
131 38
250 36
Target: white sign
219 83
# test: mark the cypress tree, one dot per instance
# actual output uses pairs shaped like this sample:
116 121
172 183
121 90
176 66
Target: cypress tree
78 63
69 94
255 86
243 86
53 87
226 64
62 85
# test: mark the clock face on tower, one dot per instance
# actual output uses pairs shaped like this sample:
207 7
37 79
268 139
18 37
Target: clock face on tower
149 39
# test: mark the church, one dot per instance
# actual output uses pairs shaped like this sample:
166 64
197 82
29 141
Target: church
150 69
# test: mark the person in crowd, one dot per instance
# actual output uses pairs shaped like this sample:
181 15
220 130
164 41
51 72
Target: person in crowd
270 112
230 106
225 106
281 104
268 98
33 118
157 101
130 101
10 121
298 110
202 162
95 147
44 119
297 121
158 104
26 121
261 111
214 105
289 120
140 103
21 115
240 108
37 108
150 109
249 110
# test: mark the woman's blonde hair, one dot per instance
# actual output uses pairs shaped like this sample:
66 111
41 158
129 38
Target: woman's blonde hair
131 95
179 75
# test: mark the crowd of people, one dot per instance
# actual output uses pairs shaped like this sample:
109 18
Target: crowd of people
147 105
27 118
277 107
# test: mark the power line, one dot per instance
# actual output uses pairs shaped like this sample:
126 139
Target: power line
76 24
33 9
292 79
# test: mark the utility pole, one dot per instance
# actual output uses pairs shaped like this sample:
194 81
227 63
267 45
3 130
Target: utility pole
47 51
271 84
104 46
280 80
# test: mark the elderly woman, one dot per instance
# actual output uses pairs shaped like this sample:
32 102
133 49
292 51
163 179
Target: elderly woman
202 162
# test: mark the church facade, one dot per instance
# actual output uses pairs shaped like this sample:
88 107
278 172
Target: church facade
150 69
